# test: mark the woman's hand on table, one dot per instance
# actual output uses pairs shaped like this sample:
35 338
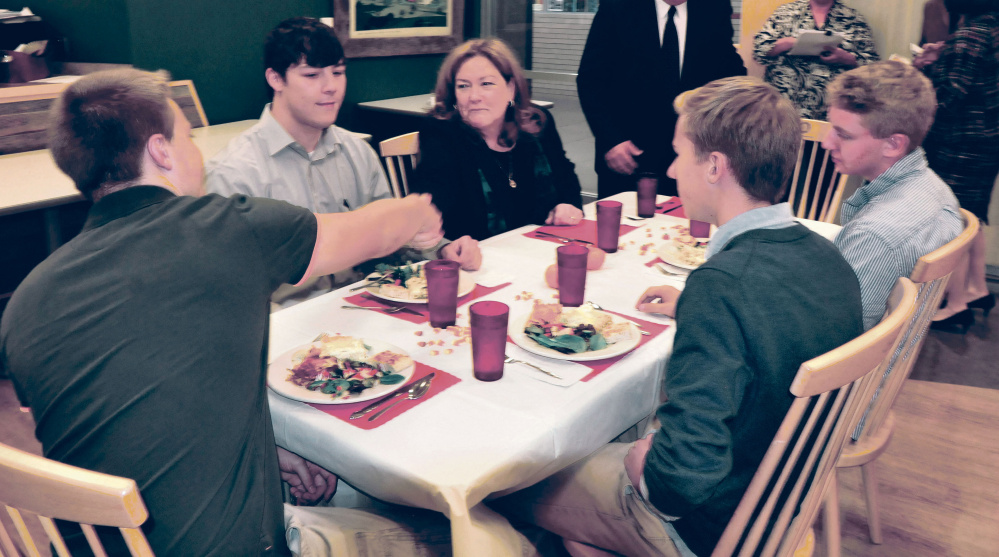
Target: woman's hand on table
310 483
659 299
564 215
634 461
465 251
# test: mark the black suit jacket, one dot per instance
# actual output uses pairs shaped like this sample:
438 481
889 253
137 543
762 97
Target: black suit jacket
621 85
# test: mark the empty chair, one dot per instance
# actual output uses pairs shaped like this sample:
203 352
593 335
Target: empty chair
53 490
816 190
797 473
875 429
395 152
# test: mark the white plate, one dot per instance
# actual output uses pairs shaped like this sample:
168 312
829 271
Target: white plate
520 338
465 286
278 370
667 252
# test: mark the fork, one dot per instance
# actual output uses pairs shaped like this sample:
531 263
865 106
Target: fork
511 360
600 308
415 392
396 309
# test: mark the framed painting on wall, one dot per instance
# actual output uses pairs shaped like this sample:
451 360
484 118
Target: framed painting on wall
398 27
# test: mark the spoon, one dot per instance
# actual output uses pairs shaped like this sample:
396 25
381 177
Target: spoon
396 309
415 392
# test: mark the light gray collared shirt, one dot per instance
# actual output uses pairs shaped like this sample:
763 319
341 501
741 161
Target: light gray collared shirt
772 217
341 174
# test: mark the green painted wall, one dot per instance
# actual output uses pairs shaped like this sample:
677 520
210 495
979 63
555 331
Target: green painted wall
218 44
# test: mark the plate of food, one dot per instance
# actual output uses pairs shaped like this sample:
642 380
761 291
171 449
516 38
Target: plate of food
577 334
683 250
407 283
340 369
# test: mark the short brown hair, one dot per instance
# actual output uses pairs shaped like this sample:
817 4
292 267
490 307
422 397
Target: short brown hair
524 116
749 122
890 97
101 123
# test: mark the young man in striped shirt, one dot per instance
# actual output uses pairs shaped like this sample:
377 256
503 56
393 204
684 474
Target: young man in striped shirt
880 114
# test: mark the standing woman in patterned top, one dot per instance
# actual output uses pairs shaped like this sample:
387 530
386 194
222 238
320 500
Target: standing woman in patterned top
963 144
803 79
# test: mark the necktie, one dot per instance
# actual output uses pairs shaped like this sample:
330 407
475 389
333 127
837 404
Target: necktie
671 48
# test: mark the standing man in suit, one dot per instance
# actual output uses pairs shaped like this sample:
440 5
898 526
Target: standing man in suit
640 54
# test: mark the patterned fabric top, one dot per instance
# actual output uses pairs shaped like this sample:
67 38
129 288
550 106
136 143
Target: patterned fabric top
966 78
803 79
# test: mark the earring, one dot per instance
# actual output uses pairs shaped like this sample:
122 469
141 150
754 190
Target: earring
455 106
511 103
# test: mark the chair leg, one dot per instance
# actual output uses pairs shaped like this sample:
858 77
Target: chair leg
830 519
870 477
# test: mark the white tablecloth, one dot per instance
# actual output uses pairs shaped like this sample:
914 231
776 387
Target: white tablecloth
476 439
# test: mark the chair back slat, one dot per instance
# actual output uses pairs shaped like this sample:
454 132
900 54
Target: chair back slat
931 274
817 196
799 465
53 490
396 151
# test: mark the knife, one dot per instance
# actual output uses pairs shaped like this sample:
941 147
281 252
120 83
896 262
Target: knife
543 233
379 402
404 308
671 209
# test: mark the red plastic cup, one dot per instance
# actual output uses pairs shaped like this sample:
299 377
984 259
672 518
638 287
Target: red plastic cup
647 188
700 229
442 291
489 329
608 225
572 273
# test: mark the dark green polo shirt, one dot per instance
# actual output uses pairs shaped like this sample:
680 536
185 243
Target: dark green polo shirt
141 347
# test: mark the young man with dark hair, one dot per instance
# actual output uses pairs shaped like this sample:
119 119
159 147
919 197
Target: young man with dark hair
771 295
134 361
297 154
880 114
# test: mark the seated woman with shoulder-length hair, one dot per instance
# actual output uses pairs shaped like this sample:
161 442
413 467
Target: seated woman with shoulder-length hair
492 160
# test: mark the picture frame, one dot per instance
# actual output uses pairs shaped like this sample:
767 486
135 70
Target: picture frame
369 28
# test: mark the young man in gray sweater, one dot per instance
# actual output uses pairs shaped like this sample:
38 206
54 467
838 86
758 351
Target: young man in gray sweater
771 295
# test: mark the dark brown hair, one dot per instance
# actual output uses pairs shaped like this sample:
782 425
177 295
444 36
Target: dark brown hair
522 116
101 123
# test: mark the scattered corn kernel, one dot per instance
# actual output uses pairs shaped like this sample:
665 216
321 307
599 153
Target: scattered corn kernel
448 351
434 352
421 344
418 333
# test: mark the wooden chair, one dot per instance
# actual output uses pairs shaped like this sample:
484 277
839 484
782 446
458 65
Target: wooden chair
395 151
874 431
798 470
53 490
818 193
24 113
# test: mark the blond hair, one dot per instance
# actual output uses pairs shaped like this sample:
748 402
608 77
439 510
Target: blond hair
750 123
890 97
522 116
101 123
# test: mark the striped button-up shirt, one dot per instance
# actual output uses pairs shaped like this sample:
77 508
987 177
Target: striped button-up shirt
889 223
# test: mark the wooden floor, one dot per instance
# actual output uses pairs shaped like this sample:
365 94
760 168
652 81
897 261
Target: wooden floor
939 478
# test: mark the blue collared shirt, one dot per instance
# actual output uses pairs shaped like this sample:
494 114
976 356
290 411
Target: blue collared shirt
773 216
889 223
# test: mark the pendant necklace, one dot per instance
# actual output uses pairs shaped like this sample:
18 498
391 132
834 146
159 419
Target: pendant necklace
513 184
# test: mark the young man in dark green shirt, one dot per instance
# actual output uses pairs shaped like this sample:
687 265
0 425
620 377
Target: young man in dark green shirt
771 295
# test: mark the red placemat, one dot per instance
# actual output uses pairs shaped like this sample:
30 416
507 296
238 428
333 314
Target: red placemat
441 381
586 230
598 366
673 207
421 313
654 261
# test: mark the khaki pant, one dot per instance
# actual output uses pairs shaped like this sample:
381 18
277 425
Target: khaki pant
594 503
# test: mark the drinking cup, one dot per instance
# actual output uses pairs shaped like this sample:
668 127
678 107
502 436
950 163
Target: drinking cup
489 329
608 225
647 187
442 291
572 273
700 229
